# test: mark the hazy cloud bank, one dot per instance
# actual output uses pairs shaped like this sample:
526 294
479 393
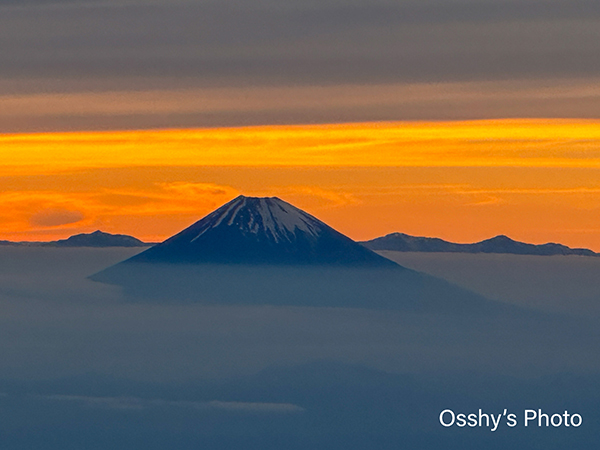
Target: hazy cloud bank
158 47
81 368
55 323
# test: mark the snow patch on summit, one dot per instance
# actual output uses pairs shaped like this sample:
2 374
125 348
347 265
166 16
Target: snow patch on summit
269 216
281 221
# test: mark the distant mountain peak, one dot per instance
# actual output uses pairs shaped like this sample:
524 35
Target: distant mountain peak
498 244
95 239
261 230
98 239
500 238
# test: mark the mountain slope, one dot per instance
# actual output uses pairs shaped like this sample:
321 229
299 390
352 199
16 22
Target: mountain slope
264 251
252 230
500 244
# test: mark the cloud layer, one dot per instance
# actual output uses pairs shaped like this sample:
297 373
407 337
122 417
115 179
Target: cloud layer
156 48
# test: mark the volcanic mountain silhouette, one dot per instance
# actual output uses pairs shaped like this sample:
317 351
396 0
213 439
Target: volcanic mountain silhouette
265 251
253 230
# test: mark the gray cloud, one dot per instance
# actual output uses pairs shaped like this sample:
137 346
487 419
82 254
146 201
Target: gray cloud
331 43
119 46
55 216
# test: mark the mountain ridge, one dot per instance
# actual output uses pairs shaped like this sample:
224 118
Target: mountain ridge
500 244
96 239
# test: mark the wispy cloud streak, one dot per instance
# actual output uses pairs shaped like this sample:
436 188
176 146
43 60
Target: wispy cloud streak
138 404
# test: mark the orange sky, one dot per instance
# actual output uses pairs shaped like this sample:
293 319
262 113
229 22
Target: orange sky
535 180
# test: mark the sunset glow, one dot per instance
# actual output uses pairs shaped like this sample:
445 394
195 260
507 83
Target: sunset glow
536 180
518 143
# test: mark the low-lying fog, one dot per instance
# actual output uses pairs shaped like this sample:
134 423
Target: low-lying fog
56 322
347 373
566 284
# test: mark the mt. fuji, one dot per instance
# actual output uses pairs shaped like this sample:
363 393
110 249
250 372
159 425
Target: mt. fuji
253 230
264 251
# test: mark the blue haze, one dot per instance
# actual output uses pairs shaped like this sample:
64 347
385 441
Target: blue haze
83 368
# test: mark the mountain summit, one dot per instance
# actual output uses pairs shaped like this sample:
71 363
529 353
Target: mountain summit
264 251
261 230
